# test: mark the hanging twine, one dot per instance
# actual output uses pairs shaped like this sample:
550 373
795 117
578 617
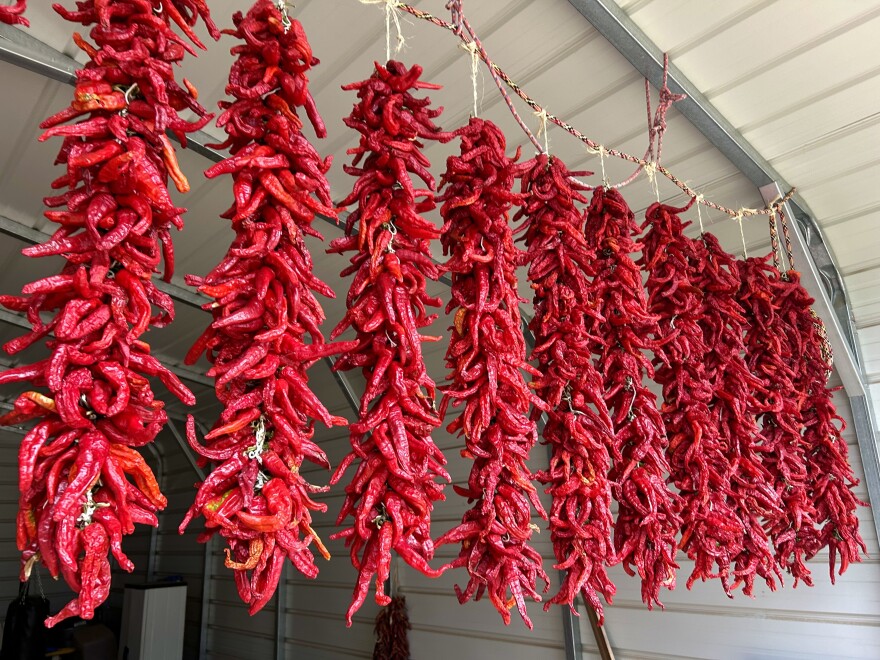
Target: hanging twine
471 47
742 234
698 200
599 150
285 18
542 129
391 15
651 172
461 28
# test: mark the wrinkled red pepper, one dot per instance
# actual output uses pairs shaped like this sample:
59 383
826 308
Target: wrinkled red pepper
709 404
14 14
265 334
820 503
395 484
578 427
486 354
648 517
82 485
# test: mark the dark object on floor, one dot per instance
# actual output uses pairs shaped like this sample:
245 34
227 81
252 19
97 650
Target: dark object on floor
95 642
24 635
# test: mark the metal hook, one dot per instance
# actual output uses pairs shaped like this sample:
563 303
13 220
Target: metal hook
262 480
255 452
89 414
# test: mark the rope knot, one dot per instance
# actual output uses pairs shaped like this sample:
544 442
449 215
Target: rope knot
391 15
742 234
542 129
471 47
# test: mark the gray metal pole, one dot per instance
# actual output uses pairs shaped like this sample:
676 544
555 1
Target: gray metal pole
208 566
345 385
281 615
207 575
185 448
154 531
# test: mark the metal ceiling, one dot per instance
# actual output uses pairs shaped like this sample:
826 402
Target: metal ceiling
779 91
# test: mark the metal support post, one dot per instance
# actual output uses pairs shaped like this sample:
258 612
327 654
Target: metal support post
154 531
344 385
208 566
185 448
281 615
207 575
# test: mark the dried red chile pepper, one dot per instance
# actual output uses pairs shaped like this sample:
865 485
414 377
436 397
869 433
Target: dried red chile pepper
14 14
486 354
395 485
709 404
578 426
76 497
777 407
820 504
736 392
648 512
265 334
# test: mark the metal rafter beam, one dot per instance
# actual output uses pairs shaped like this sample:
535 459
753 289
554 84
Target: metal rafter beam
620 30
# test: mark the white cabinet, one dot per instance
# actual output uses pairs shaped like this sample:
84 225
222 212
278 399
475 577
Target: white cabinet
153 617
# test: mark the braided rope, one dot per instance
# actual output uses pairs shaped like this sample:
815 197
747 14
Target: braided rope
498 75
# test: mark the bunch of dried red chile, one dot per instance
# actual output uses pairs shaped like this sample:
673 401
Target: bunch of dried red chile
742 466
83 484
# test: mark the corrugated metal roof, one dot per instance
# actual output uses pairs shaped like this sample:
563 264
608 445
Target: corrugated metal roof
800 80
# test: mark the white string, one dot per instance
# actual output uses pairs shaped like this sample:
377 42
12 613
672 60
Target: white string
285 18
742 234
391 14
651 171
542 129
471 47
698 200
600 150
